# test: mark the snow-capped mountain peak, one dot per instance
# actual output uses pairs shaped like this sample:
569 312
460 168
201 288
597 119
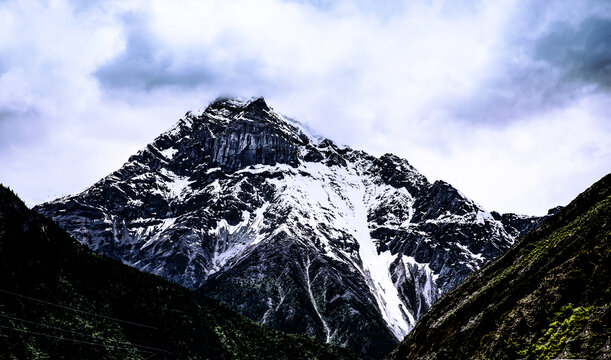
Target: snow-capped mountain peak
249 207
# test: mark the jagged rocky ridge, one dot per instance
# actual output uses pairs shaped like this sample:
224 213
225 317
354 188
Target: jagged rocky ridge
288 228
547 297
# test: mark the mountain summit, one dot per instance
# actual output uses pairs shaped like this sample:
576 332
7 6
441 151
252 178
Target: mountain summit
289 229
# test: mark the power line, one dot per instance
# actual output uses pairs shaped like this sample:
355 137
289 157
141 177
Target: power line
77 310
78 333
76 341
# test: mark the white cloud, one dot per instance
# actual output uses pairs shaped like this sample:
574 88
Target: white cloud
459 91
530 164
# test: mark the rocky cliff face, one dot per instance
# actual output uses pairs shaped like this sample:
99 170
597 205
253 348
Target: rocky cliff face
289 229
518 225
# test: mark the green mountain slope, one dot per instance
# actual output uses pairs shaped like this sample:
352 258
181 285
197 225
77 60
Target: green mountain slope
59 300
547 297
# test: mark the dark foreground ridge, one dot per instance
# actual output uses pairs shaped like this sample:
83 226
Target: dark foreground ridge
547 297
59 300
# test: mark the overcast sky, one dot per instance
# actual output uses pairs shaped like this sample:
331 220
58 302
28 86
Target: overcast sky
509 101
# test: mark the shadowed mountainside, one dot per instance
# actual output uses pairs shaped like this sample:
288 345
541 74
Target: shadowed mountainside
547 297
59 300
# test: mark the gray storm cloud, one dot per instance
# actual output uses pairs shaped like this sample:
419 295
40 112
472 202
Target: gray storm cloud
143 66
582 52
486 95
565 62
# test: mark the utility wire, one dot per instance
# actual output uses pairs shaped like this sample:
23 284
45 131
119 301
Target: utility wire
78 333
77 310
76 341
